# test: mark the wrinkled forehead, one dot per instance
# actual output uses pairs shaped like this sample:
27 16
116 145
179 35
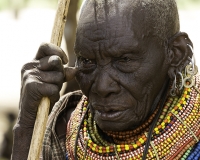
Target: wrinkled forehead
101 19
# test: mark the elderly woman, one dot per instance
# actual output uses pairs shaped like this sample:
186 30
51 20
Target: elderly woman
139 95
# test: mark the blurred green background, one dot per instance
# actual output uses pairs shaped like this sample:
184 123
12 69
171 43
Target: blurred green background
188 4
8 4
24 24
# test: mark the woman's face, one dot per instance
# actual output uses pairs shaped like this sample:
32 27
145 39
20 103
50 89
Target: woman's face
121 68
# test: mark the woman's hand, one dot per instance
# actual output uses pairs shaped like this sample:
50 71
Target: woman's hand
42 77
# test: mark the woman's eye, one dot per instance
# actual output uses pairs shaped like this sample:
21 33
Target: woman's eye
124 59
85 60
85 63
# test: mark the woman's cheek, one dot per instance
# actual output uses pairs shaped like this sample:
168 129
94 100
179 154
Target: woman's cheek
85 82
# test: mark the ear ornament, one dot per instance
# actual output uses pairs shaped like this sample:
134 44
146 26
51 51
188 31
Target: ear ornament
176 88
190 71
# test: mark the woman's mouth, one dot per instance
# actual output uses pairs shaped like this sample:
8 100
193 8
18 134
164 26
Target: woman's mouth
111 115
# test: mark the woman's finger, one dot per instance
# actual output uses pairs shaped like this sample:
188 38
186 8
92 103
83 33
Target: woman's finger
48 49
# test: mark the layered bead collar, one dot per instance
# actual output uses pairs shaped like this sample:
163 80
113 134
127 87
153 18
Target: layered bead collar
175 136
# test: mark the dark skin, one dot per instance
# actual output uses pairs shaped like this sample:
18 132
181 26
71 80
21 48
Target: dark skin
121 70
121 73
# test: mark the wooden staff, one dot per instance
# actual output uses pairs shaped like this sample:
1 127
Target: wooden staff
43 109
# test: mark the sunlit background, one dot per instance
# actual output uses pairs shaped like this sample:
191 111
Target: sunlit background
24 25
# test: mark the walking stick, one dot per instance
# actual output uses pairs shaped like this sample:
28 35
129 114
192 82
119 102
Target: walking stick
43 109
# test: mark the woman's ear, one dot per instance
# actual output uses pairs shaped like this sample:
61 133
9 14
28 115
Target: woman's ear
179 52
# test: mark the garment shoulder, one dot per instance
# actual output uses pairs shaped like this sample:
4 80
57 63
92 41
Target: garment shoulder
67 100
71 95
54 139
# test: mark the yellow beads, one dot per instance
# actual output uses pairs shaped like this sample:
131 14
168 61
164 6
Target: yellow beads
126 147
107 149
141 140
135 146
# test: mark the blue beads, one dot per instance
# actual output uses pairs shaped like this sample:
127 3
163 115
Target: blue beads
66 157
195 152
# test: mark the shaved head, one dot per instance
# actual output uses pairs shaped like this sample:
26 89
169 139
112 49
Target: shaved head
162 17
158 18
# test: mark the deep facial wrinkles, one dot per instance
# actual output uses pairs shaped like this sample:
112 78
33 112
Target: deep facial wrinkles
139 107
112 39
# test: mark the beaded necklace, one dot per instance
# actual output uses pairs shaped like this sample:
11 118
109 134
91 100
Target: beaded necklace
176 135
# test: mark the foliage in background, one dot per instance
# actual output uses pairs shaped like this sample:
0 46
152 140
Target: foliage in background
18 4
188 4
13 4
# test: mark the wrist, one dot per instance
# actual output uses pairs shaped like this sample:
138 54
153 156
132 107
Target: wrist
26 119
22 139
